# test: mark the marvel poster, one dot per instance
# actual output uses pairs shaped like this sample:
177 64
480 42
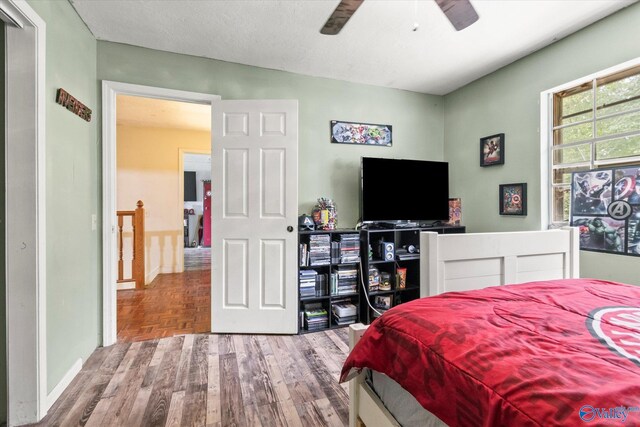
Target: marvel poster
605 206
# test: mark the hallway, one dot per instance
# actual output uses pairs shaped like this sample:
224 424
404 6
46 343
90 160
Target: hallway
173 304
197 258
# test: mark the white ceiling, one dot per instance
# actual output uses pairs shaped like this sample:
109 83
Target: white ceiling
377 46
161 113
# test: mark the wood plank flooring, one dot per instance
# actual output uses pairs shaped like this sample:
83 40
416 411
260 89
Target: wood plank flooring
197 258
172 304
211 380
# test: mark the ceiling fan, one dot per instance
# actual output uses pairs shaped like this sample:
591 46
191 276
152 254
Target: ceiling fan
460 12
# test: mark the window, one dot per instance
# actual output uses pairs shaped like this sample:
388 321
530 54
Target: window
593 124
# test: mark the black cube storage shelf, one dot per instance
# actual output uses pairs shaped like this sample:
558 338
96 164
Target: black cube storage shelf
401 239
326 301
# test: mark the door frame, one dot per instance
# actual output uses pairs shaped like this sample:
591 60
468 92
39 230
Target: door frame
25 192
110 89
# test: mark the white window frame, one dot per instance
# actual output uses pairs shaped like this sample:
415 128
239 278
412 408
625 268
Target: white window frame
546 140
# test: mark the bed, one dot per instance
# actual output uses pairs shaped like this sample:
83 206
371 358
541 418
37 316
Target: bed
478 378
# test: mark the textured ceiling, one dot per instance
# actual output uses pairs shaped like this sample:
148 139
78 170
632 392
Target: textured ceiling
160 113
377 46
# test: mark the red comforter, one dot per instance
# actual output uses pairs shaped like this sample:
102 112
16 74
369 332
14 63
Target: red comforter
560 352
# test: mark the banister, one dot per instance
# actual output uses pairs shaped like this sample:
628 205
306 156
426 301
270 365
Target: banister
137 261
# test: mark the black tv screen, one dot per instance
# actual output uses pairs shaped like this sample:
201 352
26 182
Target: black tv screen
190 187
402 190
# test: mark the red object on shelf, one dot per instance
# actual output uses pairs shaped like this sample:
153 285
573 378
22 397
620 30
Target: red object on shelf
206 238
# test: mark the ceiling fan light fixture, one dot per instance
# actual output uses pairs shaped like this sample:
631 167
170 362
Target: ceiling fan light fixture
340 16
460 13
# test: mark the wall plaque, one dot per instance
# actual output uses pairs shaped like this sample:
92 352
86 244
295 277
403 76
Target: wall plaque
70 103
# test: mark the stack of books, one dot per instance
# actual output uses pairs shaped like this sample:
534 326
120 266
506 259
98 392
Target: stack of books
303 255
319 249
308 283
322 288
315 317
347 280
346 249
344 313
333 283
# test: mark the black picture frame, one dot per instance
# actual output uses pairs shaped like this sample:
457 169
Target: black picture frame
492 150
513 199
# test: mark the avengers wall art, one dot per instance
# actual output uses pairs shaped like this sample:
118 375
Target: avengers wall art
605 206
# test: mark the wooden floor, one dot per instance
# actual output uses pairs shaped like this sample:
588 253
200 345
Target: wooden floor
173 304
211 380
197 259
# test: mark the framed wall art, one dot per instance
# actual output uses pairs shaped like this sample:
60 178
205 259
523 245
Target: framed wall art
513 199
361 133
605 206
492 150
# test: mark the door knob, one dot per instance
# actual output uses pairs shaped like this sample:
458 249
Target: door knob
289 229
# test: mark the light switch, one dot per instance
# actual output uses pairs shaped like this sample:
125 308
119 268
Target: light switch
94 222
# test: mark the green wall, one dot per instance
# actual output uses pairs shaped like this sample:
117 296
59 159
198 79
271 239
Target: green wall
508 101
74 303
329 170
425 126
3 285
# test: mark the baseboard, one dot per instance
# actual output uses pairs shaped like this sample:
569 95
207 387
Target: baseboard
170 270
151 275
126 285
64 383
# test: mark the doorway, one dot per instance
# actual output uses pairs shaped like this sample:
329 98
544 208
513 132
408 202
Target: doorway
156 297
3 313
197 211
24 223
110 92
255 174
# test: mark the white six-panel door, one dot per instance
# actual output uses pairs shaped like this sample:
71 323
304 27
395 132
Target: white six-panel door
254 208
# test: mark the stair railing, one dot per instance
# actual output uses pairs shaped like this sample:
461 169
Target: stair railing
137 261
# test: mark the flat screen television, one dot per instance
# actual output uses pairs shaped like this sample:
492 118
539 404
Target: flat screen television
190 193
404 190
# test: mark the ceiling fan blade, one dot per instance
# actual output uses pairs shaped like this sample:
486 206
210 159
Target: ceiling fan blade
460 12
340 16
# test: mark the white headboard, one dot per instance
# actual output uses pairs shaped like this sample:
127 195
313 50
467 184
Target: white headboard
462 262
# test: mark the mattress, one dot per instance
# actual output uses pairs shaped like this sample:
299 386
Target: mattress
400 403
552 353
